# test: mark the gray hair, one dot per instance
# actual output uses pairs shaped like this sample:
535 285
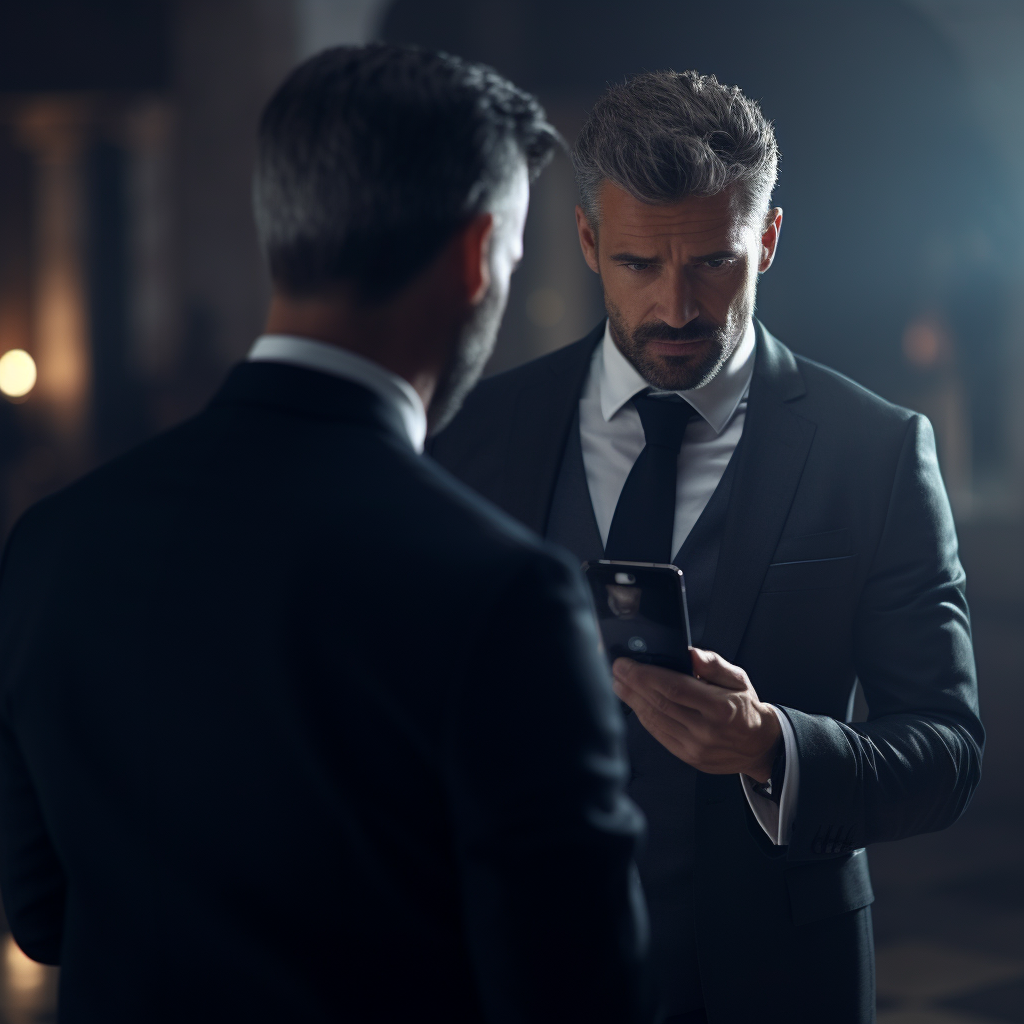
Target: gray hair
371 158
662 136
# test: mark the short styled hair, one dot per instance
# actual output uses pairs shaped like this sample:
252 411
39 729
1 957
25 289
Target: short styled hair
665 135
371 158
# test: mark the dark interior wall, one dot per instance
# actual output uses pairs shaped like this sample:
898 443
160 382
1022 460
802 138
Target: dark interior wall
212 64
15 240
119 411
229 56
106 51
895 206
15 296
64 45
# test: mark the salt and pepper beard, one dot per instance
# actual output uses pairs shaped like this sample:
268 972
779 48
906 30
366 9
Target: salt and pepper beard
678 373
474 348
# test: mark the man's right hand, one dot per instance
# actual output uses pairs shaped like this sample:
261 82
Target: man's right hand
712 720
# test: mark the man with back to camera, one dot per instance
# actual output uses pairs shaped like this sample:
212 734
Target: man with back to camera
270 747
814 533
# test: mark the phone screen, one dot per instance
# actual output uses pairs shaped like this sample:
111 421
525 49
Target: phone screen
641 609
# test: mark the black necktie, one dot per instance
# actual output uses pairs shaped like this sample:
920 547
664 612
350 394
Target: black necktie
641 529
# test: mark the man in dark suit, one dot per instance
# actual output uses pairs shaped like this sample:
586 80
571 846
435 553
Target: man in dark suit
294 726
818 548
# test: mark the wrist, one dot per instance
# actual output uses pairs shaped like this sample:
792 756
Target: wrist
760 769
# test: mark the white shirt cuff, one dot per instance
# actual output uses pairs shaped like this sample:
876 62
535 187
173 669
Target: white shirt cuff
777 818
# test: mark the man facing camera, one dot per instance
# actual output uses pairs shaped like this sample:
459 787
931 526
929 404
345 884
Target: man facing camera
811 524
295 727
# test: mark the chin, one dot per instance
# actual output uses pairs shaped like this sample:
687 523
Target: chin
681 373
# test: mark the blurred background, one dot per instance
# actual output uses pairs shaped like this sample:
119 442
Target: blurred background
130 281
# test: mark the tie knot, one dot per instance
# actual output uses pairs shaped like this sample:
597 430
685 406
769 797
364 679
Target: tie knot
664 420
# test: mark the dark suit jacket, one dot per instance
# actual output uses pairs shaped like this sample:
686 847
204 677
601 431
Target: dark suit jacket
838 561
293 727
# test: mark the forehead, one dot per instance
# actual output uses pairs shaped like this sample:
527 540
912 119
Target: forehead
704 223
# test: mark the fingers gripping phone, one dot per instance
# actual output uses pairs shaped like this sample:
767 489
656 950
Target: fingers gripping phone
641 609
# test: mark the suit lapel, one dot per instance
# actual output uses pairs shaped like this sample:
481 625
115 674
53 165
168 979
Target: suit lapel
771 457
541 419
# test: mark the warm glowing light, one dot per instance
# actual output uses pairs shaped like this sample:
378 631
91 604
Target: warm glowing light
23 976
17 373
925 343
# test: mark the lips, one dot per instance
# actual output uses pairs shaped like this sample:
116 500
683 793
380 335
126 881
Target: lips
666 347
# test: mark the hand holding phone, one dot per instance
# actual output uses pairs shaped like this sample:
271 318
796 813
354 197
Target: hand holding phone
641 609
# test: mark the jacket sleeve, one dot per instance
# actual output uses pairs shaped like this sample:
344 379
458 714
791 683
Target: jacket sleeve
32 880
545 833
31 877
914 764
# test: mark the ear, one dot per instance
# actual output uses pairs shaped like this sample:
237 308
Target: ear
474 247
770 238
588 240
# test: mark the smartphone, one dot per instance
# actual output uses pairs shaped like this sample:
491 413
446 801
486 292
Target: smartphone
641 609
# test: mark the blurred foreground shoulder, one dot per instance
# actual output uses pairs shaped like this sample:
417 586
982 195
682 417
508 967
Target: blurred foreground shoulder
488 415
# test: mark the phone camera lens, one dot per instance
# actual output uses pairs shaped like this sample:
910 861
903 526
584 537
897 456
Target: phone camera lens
637 644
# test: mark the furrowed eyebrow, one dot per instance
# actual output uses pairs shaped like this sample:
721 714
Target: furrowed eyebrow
725 254
631 257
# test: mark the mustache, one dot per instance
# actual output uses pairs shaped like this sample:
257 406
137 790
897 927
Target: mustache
696 330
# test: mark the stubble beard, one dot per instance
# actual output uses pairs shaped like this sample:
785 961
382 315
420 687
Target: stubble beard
475 346
680 373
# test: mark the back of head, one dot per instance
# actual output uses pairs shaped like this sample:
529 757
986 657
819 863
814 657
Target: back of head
371 158
663 136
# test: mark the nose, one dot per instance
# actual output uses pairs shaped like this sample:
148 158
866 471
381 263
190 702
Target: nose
677 304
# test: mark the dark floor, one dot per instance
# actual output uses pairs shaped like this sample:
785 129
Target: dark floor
949 925
949 908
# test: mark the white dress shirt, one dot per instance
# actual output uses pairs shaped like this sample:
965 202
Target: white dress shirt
339 362
613 437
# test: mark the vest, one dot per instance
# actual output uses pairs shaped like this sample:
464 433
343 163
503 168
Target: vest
661 784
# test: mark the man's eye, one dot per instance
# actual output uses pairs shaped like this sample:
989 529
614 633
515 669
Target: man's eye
716 264
637 267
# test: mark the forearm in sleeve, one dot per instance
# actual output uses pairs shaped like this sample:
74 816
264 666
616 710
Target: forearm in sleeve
913 766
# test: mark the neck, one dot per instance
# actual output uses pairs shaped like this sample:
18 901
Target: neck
413 335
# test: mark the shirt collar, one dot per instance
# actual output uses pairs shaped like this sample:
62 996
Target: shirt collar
716 401
339 362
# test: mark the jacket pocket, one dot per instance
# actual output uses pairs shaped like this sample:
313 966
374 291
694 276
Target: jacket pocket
815 573
813 546
825 888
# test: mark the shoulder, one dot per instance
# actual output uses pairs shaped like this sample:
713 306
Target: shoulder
406 507
473 550
72 516
857 433
462 525
838 395
489 407
857 425
557 365
826 396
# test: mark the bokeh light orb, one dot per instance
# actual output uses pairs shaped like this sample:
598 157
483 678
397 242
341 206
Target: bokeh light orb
17 373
